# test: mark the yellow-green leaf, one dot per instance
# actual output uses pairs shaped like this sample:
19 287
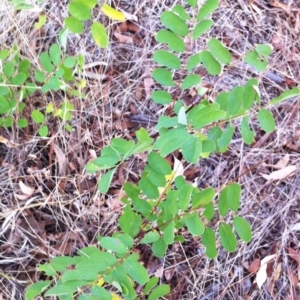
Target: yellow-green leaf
99 35
113 13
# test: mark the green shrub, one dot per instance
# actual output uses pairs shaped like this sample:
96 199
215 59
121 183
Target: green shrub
162 202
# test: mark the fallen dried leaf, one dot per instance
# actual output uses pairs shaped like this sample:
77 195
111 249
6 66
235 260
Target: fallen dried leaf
254 266
26 190
280 174
61 160
148 82
294 255
261 275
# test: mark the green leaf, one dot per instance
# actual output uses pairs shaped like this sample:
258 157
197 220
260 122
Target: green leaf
174 23
9 68
209 211
264 49
192 149
88 3
43 131
206 9
243 229
159 291
163 76
202 116
130 222
193 62
180 11
212 66
7 122
174 42
4 105
150 285
247 133
101 293
166 59
159 248
70 62
184 196
79 11
190 81
4 54
159 163
55 54
36 289
105 181
22 123
226 137
74 25
266 120
37 116
99 35
136 271
39 76
113 244
62 289
71 275
202 198
252 58
219 51
150 237
228 239
209 241
161 97
192 3
294 92
148 188
171 140
19 79
229 198
194 223
249 93
169 233
108 159
120 276
182 116
154 176
201 28
46 62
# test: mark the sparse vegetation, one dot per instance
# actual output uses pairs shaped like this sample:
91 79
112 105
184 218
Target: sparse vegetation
161 208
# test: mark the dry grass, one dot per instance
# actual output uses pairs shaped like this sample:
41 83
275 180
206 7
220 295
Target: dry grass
65 212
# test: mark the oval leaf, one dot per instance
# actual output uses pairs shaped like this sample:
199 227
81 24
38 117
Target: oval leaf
252 58
105 181
99 35
201 28
247 133
161 97
243 229
209 241
136 271
167 59
163 77
150 237
113 244
212 66
190 81
208 7
174 23
36 289
180 11
194 224
37 116
219 51
74 25
192 149
266 120
112 13
159 291
174 42
228 239
79 11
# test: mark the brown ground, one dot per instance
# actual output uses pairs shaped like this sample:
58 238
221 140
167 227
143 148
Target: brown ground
49 206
